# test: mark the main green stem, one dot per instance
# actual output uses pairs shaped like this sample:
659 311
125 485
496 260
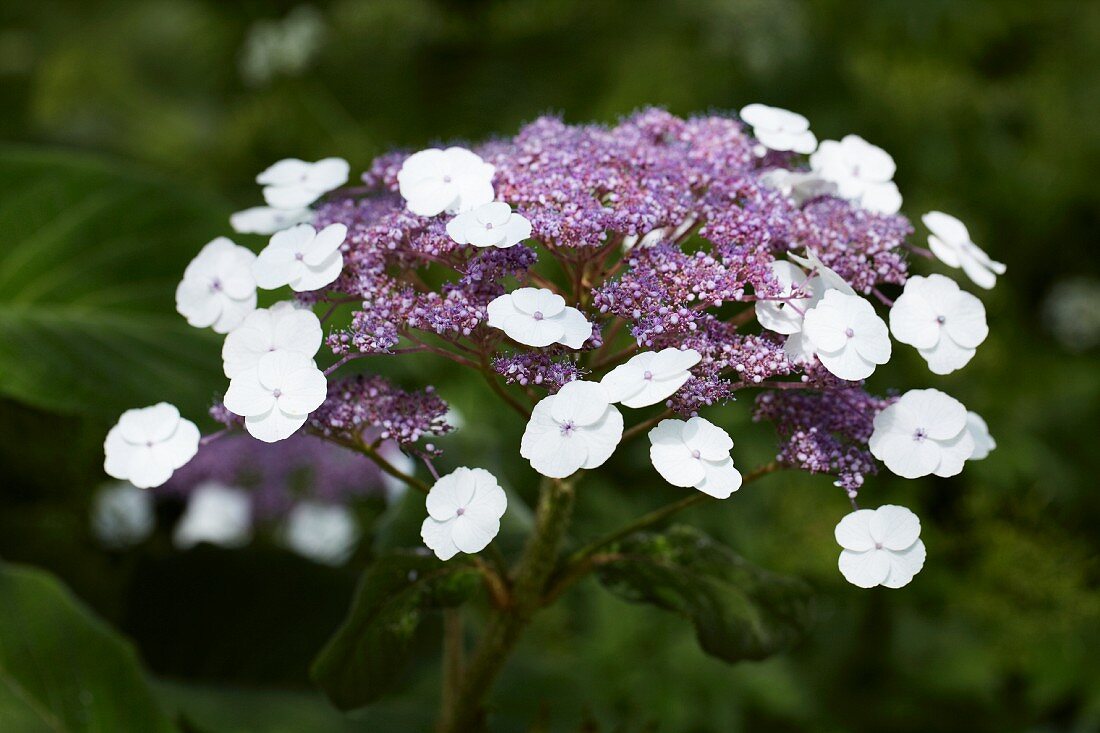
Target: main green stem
467 708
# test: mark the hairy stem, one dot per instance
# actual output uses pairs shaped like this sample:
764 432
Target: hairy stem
467 713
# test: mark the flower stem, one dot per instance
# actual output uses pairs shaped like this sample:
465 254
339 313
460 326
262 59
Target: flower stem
454 653
467 711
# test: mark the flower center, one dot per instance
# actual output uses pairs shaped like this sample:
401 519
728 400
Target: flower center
941 320
537 315
647 375
567 428
919 435
277 393
148 444
215 285
849 332
446 179
878 545
299 256
696 454
460 511
489 225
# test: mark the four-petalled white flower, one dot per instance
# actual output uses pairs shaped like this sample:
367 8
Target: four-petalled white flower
924 432
847 335
276 396
951 244
295 184
464 511
302 258
779 129
694 453
945 323
862 172
268 220
576 428
324 533
452 180
881 546
984 444
489 225
650 377
282 327
122 515
218 514
147 445
218 288
539 317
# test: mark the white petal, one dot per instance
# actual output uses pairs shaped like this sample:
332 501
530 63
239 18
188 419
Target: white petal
953 454
672 362
905 456
913 318
217 514
437 537
450 493
864 569
676 464
470 535
712 442
979 432
149 424
977 271
655 390
941 415
721 478
516 230
303 391
315 277
246 396
575 328
947 356
268 220
488 497
538 300
882 198
853 531
297 329
624 381
965 320
527 330
327 241
274 425
579 402
292 196
947 228
602 438
459 227
146 470
286 171
327 174
895 527
180 447
550 452
904 565
847 363
117 454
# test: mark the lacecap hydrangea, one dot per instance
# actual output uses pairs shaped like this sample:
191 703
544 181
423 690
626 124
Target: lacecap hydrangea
605 283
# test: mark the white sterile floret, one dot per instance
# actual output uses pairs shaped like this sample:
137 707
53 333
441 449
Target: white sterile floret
951 244
452 180
464 511
799 186
576 428
650 377
847 335
539 317
218 288
217 514
862 172
694 453
301 257
923 432
489 225
984 444
147 445
122 515
268 220
324 533
779 129
826 278
881 546
945 323
295 184
276 396
785 316
282 327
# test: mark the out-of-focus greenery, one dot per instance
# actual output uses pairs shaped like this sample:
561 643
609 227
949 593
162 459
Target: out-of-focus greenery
988 106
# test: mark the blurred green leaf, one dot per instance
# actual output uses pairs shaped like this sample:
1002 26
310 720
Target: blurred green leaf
740 612
363 659
62 669
88 271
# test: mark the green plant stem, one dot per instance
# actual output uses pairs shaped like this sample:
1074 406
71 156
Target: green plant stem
454 653
505 626
580 562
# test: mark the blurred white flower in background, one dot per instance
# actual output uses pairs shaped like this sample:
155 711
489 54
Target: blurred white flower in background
122 515
1071 312
285 47
324 533
216 513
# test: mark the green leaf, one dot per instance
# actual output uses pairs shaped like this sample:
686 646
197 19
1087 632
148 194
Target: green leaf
91 257
363 659
61 668
739 611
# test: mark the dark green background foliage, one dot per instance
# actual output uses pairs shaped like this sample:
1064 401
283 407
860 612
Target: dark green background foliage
990 109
